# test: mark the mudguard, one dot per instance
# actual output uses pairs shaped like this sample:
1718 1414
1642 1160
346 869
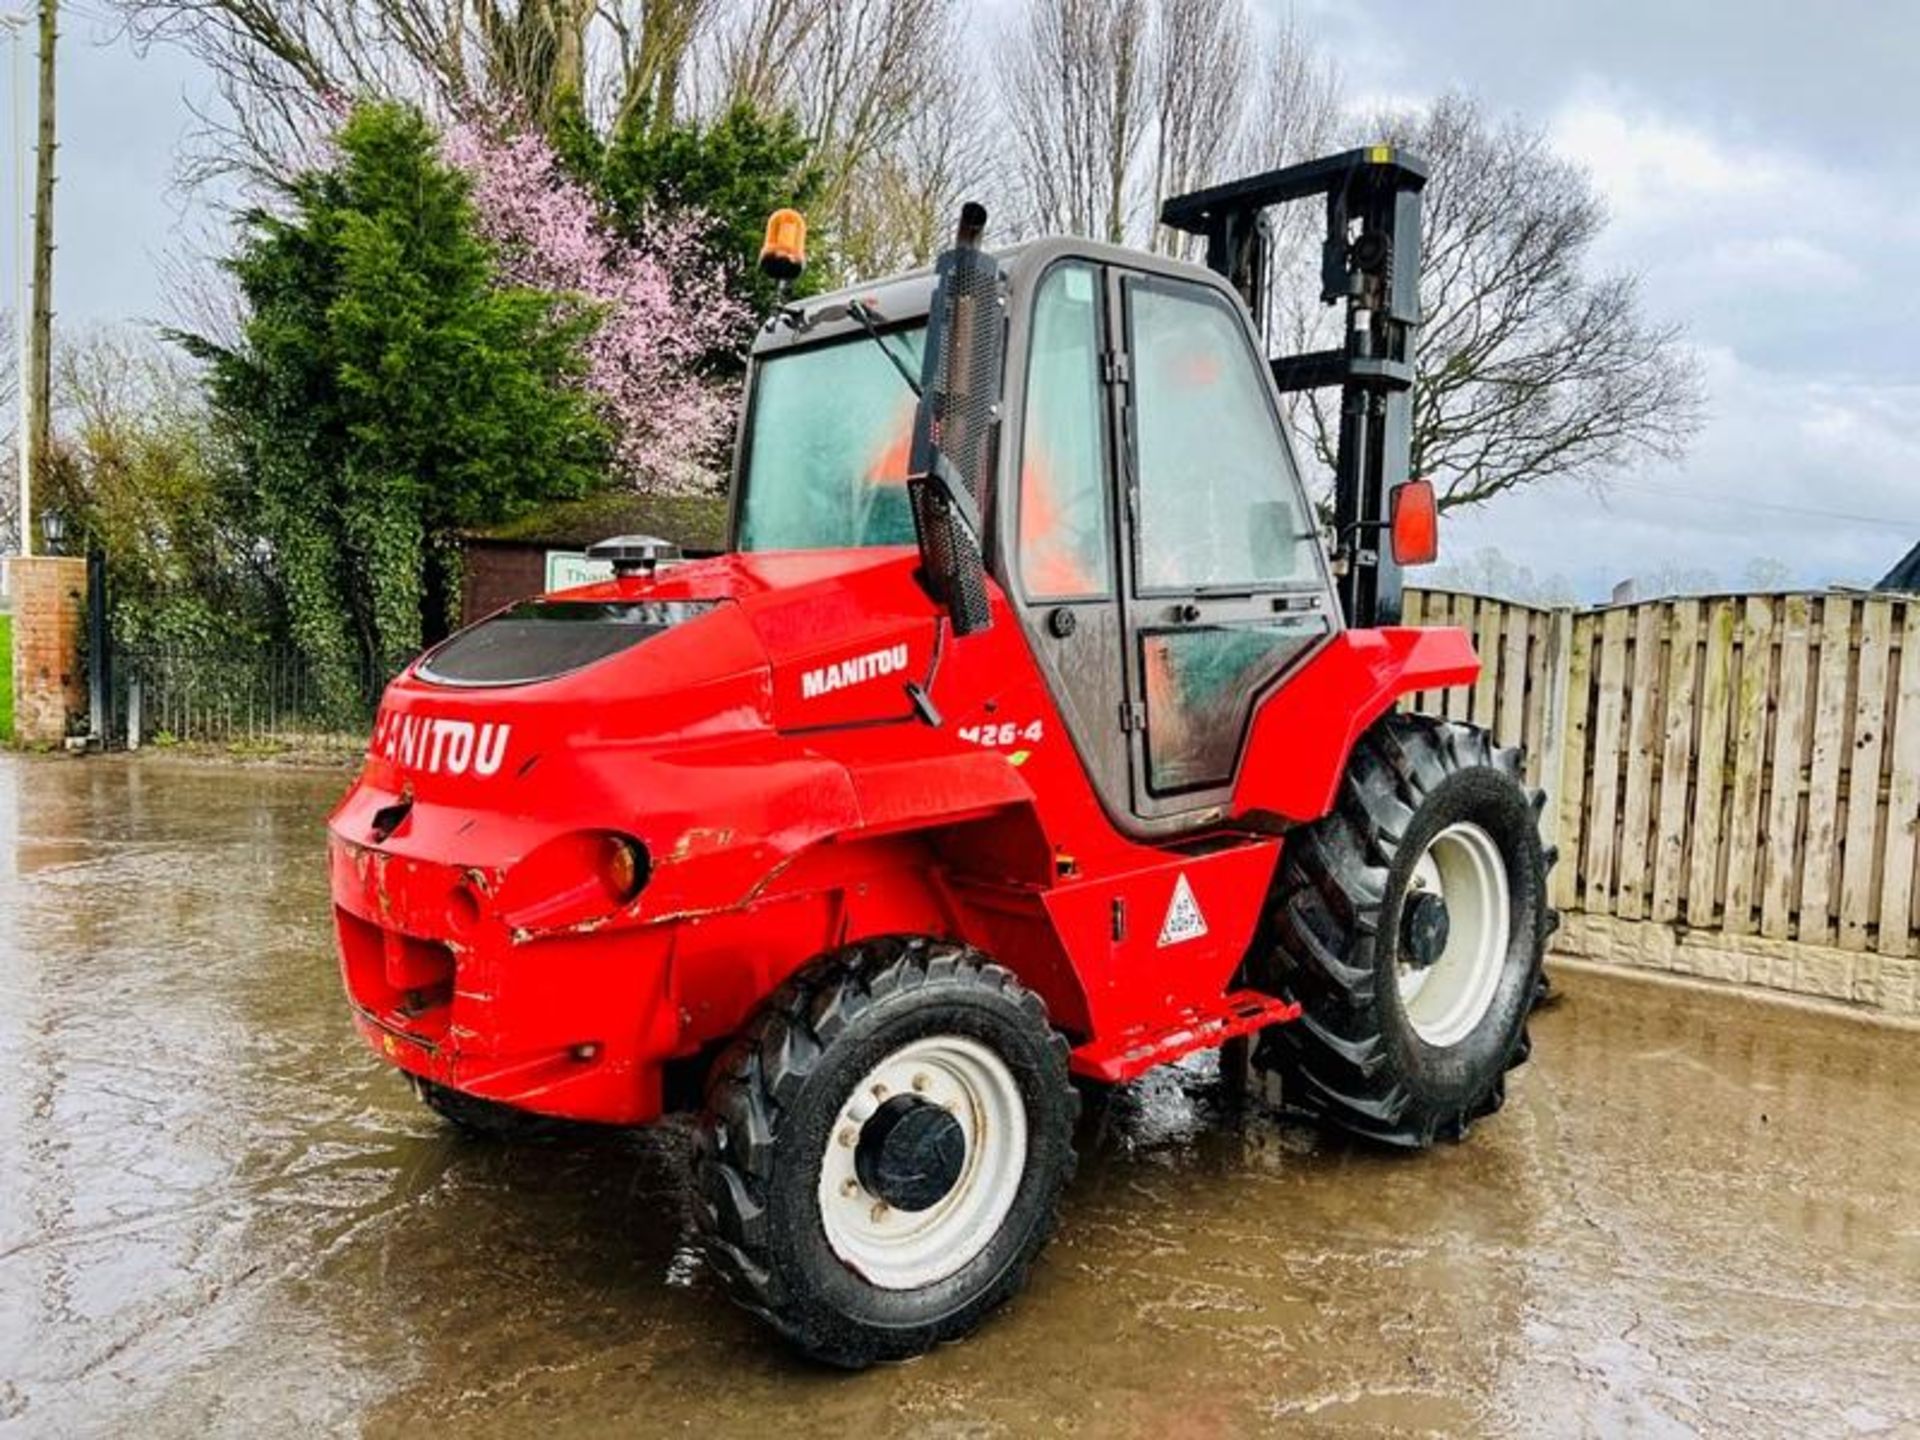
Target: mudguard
1301 735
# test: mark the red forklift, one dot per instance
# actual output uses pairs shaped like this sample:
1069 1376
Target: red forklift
1035 730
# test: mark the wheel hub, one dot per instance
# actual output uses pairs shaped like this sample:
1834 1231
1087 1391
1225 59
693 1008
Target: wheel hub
910 1154
1455 929
924 1161
1424 925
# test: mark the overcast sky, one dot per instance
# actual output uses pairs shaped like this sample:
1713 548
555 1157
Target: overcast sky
1760 159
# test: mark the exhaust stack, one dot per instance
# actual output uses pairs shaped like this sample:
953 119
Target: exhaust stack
957 424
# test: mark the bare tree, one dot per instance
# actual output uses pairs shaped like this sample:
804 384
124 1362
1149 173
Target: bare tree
655 54
282 67
1203 59
1487 571
862 76
868 70
1766 572
1297 116
899 212
750 49
1530 367
867 79
1115 105
1295 92
1075 86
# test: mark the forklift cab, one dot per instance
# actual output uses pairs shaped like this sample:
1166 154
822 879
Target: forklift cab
1146 517
1099 430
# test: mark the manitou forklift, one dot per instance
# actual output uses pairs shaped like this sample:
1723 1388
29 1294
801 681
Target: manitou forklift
1030 732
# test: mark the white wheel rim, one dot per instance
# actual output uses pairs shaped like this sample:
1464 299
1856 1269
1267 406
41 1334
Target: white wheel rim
1447 999
905 1250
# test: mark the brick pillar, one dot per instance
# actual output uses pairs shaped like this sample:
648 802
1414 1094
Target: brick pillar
49 595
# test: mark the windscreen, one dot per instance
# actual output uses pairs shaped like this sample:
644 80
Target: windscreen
828 439
540 639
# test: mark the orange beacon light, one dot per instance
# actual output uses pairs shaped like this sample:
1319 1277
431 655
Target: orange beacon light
783 255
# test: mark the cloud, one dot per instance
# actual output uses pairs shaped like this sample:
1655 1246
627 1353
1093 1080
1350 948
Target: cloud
1801 316
1816 475
1768 262
1647 164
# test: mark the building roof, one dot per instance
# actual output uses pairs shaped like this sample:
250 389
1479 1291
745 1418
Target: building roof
693 522
1905 575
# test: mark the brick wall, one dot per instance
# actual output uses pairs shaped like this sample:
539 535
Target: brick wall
497 573
49 608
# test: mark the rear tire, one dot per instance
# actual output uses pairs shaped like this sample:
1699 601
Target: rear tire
853 1261
1387 1047
485 1119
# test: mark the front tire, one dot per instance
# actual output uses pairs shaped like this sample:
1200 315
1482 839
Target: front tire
1412 1011
883 1152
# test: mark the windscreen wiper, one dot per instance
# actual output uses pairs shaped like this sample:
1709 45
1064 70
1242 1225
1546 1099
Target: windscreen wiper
869 319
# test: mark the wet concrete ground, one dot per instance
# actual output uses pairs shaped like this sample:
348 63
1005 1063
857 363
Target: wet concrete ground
218 1215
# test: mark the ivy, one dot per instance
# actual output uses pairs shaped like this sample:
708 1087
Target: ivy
388 391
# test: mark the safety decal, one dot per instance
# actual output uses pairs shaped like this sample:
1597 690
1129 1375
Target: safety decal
1184 920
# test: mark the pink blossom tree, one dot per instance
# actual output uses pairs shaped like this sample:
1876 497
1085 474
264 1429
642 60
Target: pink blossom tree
662 299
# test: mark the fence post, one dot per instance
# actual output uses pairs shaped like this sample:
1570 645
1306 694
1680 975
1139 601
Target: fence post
1558 663
133 708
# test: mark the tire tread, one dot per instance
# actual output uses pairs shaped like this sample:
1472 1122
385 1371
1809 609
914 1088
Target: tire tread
747 1097
1322 922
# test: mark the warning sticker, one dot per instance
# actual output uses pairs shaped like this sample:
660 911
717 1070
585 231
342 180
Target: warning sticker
1184 920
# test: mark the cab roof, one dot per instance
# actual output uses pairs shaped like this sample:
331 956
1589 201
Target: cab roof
906 298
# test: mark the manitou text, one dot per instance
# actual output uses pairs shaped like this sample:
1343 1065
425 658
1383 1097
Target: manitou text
861 668
440 746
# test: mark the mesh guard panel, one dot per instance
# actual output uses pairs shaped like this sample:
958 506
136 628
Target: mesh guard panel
958 419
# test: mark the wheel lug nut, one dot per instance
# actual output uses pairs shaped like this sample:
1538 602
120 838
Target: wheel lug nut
879 1211
880 1092
849 1137
849 1187
921 1082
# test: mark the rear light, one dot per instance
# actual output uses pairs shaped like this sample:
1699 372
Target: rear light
1415 523
584 876
623 867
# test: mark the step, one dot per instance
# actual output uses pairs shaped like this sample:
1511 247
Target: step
1201 1027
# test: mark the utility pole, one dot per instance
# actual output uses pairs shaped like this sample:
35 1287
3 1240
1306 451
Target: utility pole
22 343
40 380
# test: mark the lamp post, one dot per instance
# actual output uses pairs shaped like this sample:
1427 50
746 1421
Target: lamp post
53 529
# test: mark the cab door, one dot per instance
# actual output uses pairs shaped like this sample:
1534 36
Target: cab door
1224 586
1065 559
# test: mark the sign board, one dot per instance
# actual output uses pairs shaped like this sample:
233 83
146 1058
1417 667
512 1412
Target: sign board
567 568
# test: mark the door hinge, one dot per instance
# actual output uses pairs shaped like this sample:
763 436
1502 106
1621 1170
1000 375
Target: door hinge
1115 368
1133 716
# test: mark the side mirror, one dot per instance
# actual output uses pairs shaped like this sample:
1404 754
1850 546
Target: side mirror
1415 523
783 255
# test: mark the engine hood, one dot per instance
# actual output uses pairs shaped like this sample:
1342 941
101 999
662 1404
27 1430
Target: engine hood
790 641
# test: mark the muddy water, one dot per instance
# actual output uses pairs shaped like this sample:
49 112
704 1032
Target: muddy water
218 1215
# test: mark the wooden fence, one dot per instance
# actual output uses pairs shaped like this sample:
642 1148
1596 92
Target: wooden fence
1746 766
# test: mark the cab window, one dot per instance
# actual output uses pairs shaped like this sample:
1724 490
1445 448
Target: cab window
1064 525
829 437
1220 505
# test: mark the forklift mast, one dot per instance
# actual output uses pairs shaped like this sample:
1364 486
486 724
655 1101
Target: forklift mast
1370 259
